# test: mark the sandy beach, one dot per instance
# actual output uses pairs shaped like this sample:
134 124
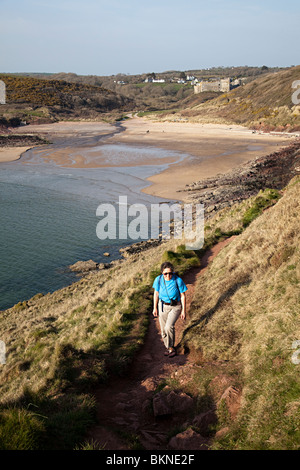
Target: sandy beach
212 149
10 154
209 149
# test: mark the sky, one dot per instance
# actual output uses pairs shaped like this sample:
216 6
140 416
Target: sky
97 37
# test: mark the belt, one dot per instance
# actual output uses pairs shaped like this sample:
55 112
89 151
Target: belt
166 303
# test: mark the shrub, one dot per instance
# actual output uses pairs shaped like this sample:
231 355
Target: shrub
264 200
182 259
20 430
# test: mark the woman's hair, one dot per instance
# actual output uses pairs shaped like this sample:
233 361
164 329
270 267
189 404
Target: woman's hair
165 265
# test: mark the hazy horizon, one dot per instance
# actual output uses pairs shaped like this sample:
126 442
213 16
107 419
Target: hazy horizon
108 38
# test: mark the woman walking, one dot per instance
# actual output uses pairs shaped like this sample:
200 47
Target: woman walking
169 302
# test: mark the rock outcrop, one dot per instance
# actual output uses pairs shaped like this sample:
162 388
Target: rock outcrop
271 171
172 403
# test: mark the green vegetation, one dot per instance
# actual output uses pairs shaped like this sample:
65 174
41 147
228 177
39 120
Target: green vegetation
71 341
34 99
85 333
60 346
264 103
264 200
245 313
20 430
182 259
172 76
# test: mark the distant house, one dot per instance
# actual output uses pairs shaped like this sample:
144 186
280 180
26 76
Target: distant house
224 85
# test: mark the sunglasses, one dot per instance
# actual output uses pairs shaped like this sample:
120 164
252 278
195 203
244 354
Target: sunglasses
168 274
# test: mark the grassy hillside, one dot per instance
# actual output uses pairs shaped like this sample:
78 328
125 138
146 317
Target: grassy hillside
171 76
243 324
246 311
265 102
244 320
60 345
37 100
169 95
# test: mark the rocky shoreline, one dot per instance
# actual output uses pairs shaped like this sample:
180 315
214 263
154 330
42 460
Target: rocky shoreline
271 171
82 268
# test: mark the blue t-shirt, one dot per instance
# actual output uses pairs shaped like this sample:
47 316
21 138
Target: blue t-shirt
169 289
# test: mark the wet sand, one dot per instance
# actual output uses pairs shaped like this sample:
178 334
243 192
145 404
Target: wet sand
10 154
209 149
212 149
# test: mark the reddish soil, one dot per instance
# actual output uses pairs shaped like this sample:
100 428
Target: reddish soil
124 405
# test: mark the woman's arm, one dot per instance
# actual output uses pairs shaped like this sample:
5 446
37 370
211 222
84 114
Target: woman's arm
155 303
183 303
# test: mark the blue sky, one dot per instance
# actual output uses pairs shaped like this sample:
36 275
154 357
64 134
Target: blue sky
117 36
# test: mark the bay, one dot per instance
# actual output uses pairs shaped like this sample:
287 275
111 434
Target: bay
48 215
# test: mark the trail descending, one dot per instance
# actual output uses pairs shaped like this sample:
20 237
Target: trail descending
124 405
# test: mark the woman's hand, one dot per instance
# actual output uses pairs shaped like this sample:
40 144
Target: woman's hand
183 303
155 303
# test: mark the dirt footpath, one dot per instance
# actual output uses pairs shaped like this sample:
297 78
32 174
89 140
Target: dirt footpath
124 405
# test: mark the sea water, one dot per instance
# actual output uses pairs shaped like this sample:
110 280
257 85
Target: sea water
48 217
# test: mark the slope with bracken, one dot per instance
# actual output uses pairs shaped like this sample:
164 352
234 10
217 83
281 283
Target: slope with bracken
246 312
265 103
37 100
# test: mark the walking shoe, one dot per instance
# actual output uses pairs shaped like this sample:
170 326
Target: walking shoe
172 352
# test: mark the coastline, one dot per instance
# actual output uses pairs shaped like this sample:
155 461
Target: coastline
11 154
212 149
205 149
208 149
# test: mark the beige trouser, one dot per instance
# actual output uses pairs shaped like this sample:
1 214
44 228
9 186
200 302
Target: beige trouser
167 319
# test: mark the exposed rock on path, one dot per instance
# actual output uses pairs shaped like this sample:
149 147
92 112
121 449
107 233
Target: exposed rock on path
132 408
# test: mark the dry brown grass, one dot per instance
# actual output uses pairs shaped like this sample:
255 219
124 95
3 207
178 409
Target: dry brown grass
247 310
86 315
263 103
